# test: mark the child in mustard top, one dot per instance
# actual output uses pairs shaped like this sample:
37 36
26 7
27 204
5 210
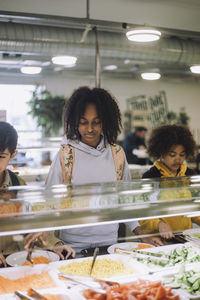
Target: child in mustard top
170 145
8 144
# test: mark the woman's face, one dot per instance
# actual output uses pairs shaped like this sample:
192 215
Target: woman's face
90 126
174 158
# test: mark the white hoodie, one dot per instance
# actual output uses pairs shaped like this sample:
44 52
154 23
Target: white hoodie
91 165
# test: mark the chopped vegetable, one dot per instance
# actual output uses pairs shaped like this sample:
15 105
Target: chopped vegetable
35 281
177 256
37 260
103 268
139 290
186 280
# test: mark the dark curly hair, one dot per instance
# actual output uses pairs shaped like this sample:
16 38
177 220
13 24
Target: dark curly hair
166 136
8 137
107 110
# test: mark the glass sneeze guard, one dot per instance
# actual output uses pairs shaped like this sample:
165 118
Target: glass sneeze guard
31 209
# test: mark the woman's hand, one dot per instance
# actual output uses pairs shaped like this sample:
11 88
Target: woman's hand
165 230
2 260
60 248
34 237
154 240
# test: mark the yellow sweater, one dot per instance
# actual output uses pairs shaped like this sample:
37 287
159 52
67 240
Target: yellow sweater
175 223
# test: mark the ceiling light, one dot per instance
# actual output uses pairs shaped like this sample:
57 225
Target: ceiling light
9 62
195 69
46 63
127 61
31 70
150 76
110 67
67 61
32 63
58 69
143 35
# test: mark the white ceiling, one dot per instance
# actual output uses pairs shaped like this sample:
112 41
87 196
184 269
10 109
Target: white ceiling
37 30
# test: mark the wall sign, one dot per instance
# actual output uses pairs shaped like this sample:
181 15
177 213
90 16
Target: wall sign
147 111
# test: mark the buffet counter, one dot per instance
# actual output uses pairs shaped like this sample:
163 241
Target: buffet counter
35 209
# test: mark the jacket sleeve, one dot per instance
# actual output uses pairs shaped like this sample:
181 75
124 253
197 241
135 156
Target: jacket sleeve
196 220
127 144
149 226
21 180
55 172
52 240
126 172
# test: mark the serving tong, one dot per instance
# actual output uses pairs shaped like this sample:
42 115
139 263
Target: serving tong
191 239
96 251
33 295
29 254
74 278
23 296
142 254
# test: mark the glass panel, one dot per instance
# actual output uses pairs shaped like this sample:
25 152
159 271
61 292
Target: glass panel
31 208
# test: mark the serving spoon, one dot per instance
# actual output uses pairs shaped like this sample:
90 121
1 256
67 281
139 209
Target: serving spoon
96 251
71 277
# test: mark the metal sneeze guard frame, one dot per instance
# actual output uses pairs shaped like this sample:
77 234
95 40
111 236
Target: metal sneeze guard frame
62 206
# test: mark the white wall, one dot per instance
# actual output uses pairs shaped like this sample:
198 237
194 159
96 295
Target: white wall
179 92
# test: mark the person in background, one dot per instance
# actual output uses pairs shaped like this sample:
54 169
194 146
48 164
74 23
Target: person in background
8 144
88 154
135 147
170 146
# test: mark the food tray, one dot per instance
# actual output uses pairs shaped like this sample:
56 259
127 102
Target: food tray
127 246
18 258
135 266
20 272
77 294
62 293
165 250
188 267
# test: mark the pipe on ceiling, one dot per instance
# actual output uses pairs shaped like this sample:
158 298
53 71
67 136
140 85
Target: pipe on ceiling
48 41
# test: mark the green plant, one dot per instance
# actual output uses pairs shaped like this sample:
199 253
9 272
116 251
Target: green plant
47 110
180 118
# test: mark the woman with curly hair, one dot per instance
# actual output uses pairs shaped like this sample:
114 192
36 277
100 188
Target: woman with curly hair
170 146
88 154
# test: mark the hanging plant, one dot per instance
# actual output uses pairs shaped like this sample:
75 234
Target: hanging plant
47 110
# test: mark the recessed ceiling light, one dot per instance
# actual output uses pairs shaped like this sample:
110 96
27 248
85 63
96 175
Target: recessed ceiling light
150 76
10 62
58 69
31 63
195 69
67 61
31 70
46 63
127 61
143 35
110 67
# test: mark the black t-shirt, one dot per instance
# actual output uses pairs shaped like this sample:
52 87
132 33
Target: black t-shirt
131 142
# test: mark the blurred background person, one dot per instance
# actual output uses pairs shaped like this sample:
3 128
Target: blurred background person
135 147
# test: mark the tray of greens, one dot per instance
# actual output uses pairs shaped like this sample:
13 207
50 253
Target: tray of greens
172 255
186 279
